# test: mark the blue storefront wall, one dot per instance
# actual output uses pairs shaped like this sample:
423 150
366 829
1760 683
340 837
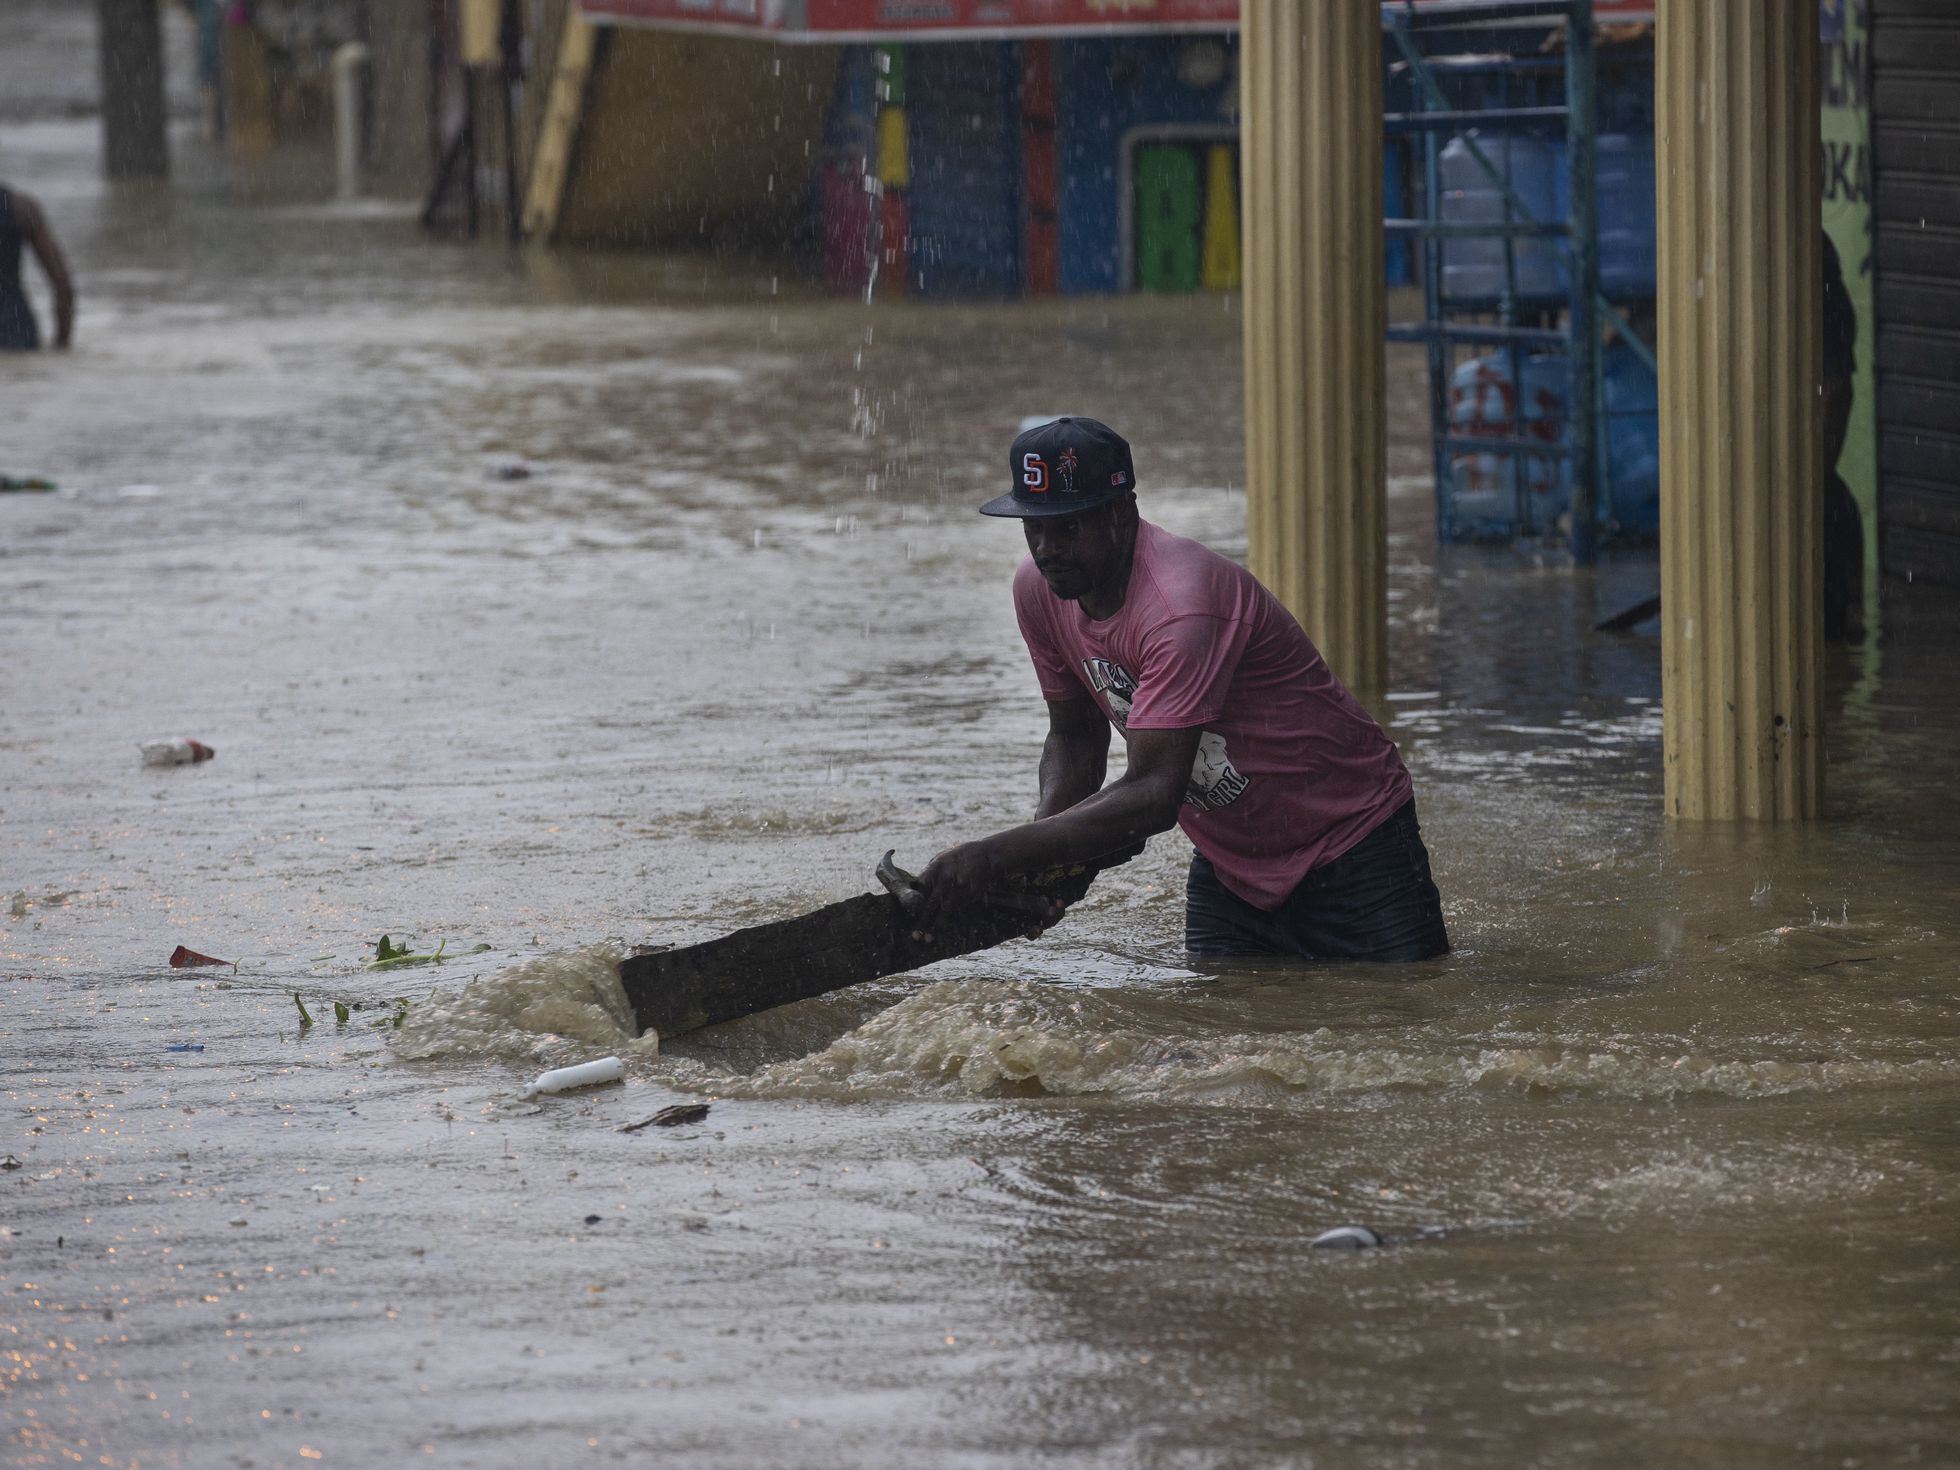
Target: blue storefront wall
964 134
963 115
1105 91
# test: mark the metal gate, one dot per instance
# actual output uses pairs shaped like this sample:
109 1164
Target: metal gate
1916 214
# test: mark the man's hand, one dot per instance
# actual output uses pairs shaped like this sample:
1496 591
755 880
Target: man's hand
1143 801
962 878
958 878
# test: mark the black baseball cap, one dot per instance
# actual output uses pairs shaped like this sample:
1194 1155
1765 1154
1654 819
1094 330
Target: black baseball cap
1063 468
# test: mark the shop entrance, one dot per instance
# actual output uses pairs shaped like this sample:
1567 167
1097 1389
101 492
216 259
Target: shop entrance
1181 200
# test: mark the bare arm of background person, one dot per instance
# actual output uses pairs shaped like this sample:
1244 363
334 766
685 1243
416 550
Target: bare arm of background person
34 225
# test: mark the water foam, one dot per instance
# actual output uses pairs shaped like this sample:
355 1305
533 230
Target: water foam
989 1038
535 1011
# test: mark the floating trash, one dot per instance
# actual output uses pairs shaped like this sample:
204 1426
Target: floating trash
585 1074
178 752
1346 1238
671 1117
185 959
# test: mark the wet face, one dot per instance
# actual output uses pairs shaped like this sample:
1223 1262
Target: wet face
1086 555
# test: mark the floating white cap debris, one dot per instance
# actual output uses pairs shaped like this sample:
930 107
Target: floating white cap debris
1347 1238
585 1074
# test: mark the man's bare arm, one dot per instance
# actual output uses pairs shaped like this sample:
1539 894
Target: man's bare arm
1075 757
34 225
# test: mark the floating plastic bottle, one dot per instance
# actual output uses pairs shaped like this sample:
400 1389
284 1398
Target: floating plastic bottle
585 1074
1346 1238
178 752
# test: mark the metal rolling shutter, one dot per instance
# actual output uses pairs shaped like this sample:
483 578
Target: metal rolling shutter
1916 214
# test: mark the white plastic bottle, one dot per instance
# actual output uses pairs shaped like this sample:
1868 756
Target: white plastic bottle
585 1074
179 752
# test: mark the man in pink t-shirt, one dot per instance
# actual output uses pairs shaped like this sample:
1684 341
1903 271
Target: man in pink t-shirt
1300 809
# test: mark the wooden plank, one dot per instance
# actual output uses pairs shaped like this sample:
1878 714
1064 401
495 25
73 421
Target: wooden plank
865 938
564 111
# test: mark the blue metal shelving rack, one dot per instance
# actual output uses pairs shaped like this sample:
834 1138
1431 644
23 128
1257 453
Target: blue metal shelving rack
1500 323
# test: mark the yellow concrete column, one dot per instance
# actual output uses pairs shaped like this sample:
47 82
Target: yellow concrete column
1311 163
1740 299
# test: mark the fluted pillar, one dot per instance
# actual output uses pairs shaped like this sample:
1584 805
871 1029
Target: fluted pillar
1311 165
1740 300
135 140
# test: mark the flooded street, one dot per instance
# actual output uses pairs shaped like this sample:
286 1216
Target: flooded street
1666 1151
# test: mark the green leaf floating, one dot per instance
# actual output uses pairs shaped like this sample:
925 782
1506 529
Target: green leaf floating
389 956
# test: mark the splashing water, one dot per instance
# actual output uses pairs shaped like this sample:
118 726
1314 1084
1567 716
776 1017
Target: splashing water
540 1011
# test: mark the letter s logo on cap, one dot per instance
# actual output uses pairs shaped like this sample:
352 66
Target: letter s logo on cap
1034 474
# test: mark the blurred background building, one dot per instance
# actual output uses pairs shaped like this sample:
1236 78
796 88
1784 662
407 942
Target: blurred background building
976 147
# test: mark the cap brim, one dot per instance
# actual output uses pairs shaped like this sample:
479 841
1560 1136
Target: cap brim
1025 510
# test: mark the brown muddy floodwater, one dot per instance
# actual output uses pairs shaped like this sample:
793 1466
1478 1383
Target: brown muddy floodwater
1666 1151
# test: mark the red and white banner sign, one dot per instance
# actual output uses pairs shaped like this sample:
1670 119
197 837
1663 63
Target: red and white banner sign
837 20
756 16
840 19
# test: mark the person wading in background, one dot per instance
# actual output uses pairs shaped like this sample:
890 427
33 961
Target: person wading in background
21 222
1300 808
1844 529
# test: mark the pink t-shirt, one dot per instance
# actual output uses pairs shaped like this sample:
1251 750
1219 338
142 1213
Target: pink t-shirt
1291 772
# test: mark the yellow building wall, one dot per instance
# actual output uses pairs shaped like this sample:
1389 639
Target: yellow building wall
688 137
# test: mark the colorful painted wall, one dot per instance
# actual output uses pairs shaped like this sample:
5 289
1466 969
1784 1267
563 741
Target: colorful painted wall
1110 91
965 150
